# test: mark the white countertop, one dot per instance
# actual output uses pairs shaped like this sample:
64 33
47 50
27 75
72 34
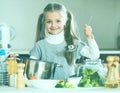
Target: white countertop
109 52
6 89
48 86
20 51
26 51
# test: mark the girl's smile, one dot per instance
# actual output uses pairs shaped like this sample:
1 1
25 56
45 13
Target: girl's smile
54 22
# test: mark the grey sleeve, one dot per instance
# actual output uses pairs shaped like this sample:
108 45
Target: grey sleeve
36 51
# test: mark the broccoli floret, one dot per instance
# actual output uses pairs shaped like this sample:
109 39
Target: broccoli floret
88 85
95 83
64 84
69 85
60 84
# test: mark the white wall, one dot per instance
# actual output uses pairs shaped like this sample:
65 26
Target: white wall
23 15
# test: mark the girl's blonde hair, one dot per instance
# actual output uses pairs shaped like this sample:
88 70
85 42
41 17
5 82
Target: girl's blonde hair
69 31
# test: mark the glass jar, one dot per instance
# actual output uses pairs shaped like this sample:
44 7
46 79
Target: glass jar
96 65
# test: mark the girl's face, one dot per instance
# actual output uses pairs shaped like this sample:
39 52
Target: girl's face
54 22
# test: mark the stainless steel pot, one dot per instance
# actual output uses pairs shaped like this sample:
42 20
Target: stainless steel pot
39 69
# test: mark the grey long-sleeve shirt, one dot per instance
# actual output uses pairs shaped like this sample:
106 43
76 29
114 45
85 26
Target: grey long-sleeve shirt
55 53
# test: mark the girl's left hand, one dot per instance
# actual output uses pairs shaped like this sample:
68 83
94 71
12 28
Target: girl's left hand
88 31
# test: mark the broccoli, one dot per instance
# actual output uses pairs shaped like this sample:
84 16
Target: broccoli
90 78
64 84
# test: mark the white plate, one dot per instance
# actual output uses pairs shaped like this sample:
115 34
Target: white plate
42 83
74 80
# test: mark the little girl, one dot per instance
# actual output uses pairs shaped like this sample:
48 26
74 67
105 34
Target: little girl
57 42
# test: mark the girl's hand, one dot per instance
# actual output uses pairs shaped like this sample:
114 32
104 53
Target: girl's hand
88 31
